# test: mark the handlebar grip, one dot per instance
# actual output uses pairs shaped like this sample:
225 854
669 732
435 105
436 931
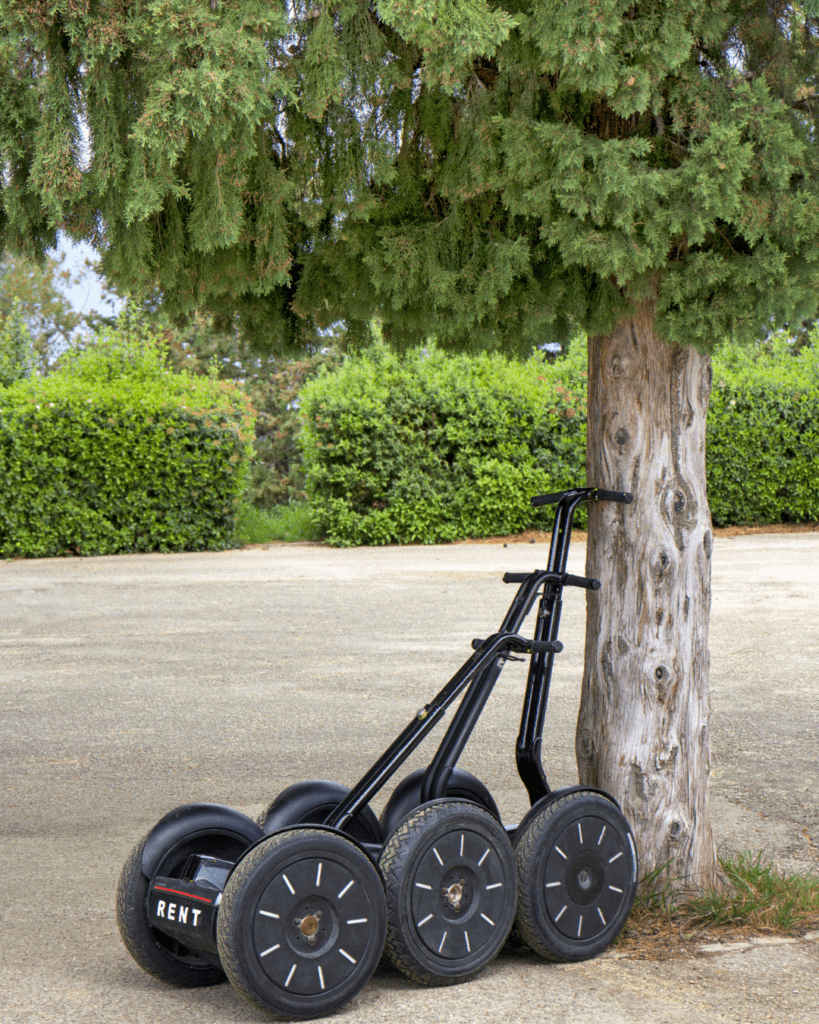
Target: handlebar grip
546 499
536 646
515 577
625 497
582 581
546 647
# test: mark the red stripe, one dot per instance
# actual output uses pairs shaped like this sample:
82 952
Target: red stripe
178 892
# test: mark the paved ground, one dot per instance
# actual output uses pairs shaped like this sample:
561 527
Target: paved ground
130 685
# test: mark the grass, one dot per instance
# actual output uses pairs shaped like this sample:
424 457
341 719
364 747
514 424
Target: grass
283 522
752 897
755 893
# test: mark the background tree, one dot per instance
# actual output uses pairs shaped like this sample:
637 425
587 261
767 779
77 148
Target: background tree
37 291
495 174
16 355
272 382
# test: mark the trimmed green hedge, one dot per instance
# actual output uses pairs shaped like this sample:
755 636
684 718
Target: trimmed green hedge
116 454
763 435
427 448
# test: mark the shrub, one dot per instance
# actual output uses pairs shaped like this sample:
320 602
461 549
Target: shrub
428 447
763 434
115 453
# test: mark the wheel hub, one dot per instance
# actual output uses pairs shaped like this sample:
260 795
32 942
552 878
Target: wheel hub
455 894
309 925
585 878
314 927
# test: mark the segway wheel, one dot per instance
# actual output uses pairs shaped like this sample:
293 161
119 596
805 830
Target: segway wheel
302 923
577 876
450 879
157 954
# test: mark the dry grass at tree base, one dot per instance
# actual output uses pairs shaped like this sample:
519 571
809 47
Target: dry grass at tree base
647 938
753 900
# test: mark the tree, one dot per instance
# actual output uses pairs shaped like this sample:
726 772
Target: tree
37 292
495 174
272 384
15 347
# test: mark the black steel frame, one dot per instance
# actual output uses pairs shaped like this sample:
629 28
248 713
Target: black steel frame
478 675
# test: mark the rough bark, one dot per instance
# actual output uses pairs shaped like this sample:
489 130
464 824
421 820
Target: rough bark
643 727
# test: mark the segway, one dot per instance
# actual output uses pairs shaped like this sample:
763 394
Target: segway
297 908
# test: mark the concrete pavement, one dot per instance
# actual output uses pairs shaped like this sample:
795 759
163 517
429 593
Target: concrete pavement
129 685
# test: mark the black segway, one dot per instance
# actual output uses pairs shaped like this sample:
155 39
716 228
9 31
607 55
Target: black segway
297 908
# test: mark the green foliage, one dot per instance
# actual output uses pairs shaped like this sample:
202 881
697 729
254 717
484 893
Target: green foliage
15 347
36 291
752 893
432 447
115 453
763 435
277 473
495 175
291 522
429 448
273 385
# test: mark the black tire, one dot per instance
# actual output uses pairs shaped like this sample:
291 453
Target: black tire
407 796
449 876
577 876
158 954
315 899
311 803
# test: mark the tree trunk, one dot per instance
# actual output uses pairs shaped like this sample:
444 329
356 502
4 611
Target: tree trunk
643 727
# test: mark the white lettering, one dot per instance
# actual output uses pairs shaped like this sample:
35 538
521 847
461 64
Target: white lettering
171 911
183 915
196 914
160 908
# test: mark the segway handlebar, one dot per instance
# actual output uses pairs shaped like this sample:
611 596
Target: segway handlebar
625 497
546 647
565 580
545 499
595 494
532 646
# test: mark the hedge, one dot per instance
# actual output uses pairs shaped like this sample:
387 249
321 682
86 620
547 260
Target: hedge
429 448
763 435
426 447
117 454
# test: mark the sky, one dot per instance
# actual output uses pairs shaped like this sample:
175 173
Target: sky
86 296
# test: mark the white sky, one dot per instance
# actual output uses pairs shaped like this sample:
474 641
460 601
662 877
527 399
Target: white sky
86 296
